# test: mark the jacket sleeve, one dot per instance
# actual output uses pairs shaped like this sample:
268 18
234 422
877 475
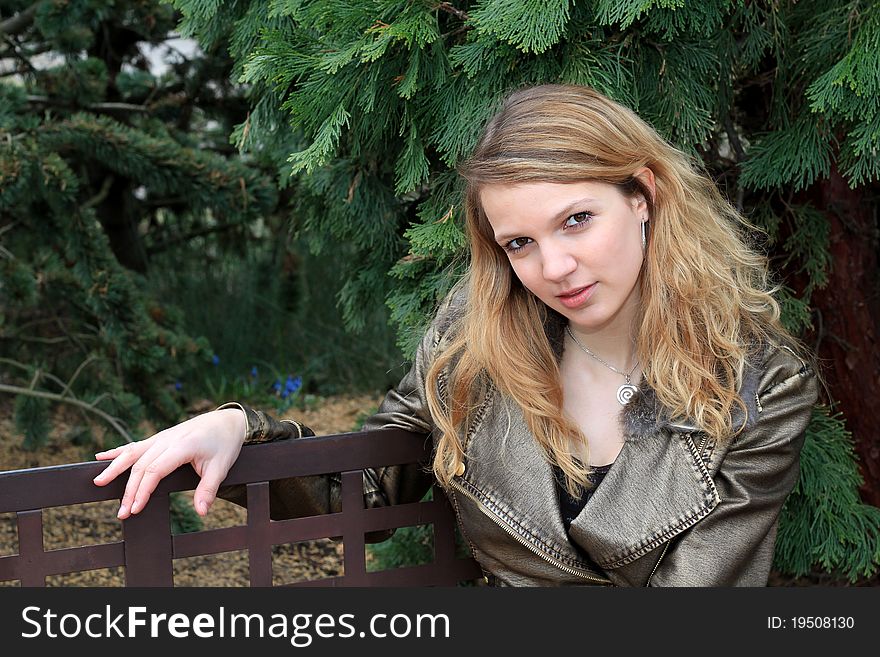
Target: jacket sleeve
404 407
734 544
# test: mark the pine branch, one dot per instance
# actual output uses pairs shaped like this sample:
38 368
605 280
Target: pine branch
732 135
18 54
99 198
167 244
108 108
21 21
455 11
75 374
112 421
30 52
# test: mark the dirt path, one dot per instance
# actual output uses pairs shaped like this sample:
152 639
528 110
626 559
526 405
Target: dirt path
96 523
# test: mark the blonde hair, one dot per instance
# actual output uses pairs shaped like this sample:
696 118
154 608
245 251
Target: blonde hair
706 299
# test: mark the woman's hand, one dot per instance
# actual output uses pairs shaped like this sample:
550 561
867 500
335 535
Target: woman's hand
210 442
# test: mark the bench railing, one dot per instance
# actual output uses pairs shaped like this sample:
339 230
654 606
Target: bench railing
148 548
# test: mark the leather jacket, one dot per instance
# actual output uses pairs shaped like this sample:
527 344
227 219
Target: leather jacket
675 509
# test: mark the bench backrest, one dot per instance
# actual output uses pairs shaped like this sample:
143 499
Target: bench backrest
148 548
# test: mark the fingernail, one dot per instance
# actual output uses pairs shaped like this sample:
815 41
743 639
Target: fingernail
135 507
122 511
203 507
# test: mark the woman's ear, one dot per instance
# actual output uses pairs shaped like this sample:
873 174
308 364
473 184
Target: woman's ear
646 177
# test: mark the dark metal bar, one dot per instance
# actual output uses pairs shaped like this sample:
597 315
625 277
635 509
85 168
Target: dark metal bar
77 559
60 485
32 567
259 545
210 541
148 551
10 565
354 556
444 530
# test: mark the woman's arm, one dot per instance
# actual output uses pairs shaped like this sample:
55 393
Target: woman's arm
211 442
734 544
404 407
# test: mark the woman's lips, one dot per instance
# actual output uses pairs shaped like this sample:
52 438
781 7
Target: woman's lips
578 297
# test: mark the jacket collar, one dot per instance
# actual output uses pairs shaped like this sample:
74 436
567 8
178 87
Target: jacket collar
657 487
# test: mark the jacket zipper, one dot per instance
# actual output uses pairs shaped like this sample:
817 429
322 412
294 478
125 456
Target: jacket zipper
700 449
520 539
702 445
662 554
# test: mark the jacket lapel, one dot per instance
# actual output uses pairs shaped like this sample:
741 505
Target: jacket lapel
657 487
508 472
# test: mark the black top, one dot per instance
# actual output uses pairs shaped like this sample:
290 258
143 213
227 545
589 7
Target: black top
571 506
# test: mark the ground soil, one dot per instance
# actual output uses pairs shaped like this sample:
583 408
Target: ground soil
96 523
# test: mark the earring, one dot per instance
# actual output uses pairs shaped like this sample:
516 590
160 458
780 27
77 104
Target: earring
644 236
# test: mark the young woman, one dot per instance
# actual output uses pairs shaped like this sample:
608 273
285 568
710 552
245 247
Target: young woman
611 395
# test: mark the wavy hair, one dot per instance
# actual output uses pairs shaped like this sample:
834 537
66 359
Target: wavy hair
706 296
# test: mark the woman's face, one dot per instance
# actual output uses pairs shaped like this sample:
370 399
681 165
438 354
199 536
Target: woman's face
575 246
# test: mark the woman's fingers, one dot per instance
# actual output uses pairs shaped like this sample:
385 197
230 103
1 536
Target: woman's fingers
123 458
163 464
109 453
134 480
206 491
210 442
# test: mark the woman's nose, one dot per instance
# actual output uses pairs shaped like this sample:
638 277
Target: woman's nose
558 262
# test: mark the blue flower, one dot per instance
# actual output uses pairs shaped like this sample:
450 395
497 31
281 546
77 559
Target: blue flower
178 385
292 384
277 385
215 359
285 394
254 372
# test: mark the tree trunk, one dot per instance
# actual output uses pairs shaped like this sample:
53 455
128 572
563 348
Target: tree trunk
848 319
120 221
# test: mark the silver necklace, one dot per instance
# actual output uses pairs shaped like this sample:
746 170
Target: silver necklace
627 389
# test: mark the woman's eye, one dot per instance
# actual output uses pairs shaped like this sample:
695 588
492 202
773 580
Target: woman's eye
517 244
578 219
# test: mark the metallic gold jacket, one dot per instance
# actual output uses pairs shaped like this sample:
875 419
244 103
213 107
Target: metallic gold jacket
675 509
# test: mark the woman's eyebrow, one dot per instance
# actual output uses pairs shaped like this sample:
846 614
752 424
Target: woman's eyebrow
562 214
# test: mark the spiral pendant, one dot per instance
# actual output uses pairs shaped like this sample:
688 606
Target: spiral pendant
625 393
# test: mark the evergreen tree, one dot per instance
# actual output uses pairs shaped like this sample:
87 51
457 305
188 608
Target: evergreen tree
103 164
366 106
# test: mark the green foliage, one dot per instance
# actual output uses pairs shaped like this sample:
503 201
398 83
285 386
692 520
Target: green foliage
184 518
848 92
808 245
392 94
530 25
271 309
32 420
795 156
91 189
408 546
823 521
796 315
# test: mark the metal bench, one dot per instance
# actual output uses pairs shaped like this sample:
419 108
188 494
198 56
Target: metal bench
148 548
